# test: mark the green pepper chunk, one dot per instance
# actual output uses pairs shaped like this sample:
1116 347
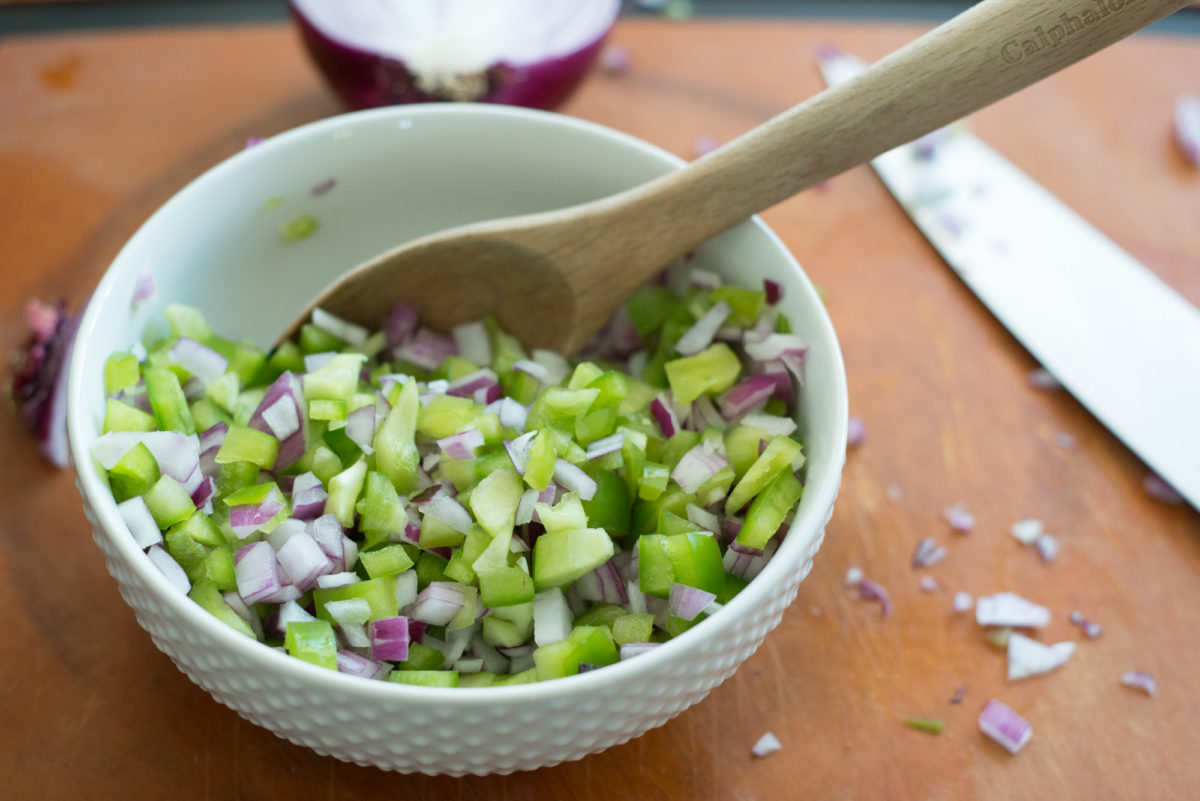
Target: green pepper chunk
769 510
313 641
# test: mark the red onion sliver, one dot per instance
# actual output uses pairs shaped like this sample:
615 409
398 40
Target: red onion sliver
688 602
959 518
257 572
573 479
389 638
449 511
167 565
928 553
1158 489
141 523
308 497
463 444
200 360
962 602
519 450
773 290
606 445
344 330
700 335
399 325
856 432
696 466
1187 128
355 665
1047 547
664 414
750 394
425 348
438 603
1140 681
870 590
1005 726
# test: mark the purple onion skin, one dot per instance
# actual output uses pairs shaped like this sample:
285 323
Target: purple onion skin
363 79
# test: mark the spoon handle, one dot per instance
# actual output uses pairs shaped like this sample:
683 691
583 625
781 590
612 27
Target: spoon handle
985 53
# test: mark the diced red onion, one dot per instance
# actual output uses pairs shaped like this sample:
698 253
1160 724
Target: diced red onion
399 325
551 616
688 602
198 359
750 394
704 279
1187 128
469 386
573 479
170 569
292 447
282 417
703 518
664 414
700 335
554 362
1028 657
406 589
349 611
631 649
304 559
637 600
285 531
360 427
604 584
438 603
353 664
1047 547
928 553
141 523
959 518
511 413
1026 531
1139 680
463 444
1157 488
605 445
177 454
525 507
473 342
962 602
704 414
696 466
308 497
426 348
1006 727
518 450
337 580
245 519
767 744
870 590
1041 378
731 528
315 361
389 638
145 287
929 584
257 572
615 59
746 563
350 333
776 346
959 694
354 635
449 511
1009 609
1091 629
856 432
854 574
773 290
773 424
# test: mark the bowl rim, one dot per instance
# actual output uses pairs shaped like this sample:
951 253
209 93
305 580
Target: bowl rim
820 490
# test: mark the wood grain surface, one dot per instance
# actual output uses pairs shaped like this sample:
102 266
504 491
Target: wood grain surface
96 130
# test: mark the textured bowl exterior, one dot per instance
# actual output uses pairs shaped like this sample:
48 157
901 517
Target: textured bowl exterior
439 730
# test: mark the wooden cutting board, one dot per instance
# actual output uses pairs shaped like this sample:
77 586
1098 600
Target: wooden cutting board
96 130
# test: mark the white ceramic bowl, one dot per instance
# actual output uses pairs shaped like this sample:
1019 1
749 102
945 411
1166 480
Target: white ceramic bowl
402 172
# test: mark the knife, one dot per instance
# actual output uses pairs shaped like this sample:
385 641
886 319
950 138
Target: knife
1124 343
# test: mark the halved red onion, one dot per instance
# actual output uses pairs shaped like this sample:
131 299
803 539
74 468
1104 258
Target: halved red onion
663 411
1140 680
201 361
438 603
688 602
696 466
750 394
389 638
519 52
257 572
1009 609
171 569
700 335
137 517
1187 128
353 664
573 479
1006 727
463 444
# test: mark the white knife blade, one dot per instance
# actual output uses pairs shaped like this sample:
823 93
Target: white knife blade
1119 339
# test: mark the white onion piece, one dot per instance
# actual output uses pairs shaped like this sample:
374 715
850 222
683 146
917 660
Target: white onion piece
553 362
141 523
315 361
573 479
1028 657
606 445
350 610
520 52
767 744
449 511
519 451
703 518
773 424
700 335
438 603
472 342
1005 726
177 454
1026 531
201 361
336 580
304 560
406 588
534 369
285 531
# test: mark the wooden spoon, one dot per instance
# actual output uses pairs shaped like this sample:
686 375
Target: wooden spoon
554 278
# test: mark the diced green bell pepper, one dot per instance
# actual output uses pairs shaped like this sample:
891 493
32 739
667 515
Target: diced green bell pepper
313 641
168 401
712 370
769 509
